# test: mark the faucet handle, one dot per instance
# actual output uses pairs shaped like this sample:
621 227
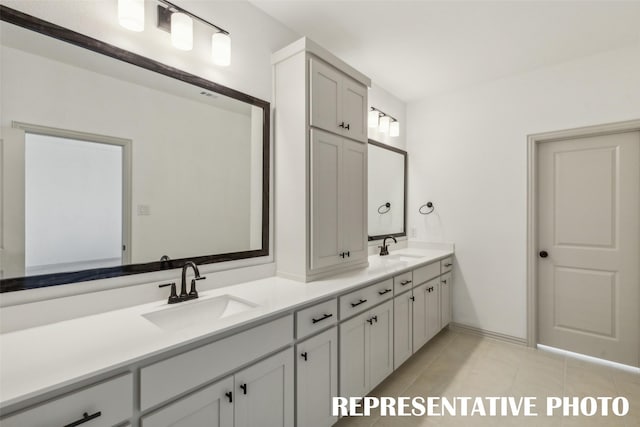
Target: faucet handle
200 278
173 298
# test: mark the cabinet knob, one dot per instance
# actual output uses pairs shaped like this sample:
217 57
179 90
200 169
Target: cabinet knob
304 356
412 298
543 254
229 395
244 388
341 125
347 126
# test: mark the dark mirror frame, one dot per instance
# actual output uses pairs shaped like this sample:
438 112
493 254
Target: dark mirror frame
32 23
406 163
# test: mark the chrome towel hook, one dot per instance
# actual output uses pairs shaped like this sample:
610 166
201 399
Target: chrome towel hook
384 208
428 205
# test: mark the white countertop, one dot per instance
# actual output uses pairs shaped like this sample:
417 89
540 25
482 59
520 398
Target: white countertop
46 358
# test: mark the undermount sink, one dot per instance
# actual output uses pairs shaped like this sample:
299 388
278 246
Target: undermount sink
199 312
404 257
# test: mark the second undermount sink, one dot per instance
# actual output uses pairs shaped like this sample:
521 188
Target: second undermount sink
403 257
198 313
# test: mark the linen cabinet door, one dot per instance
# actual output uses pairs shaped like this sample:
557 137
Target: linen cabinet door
317 379
445 300
354 363
263 394
380 352
354 109
210 407
326 201
325 103
402 328
354 213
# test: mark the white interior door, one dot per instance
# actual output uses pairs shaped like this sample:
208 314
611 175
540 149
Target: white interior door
588 243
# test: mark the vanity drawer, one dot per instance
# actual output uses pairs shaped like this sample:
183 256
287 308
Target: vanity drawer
112 400
428 272
364 298
446 265
316 318
403 282
165 379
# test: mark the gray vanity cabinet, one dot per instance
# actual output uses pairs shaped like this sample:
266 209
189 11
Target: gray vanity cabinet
317 379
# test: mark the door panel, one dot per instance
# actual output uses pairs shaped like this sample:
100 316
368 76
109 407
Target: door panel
353 360
433 309
588 222
326 233
445 299
325 102
380 344
354 109
420 328
402 328
354 200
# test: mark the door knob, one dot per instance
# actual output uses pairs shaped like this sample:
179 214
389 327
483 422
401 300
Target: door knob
543 254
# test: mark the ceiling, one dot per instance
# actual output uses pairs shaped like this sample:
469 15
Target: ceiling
416 49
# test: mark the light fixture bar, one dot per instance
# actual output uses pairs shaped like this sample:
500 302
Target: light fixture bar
186 12
382 113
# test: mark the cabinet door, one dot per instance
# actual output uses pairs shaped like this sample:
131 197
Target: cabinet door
380 344
317 379
210 407
445 300
433 308
325 98
263 394
354 109
354 363
402 328
354 197
326 202
420 315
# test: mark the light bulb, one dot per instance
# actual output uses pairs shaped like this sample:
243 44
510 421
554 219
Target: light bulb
384 124
394 128
221 49
373 118
181 31
131 14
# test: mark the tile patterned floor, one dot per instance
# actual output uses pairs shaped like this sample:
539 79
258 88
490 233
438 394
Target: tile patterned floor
459 364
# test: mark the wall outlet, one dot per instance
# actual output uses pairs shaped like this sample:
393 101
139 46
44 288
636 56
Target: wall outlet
413 232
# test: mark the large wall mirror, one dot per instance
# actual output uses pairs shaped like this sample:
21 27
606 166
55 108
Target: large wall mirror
114 164
387 191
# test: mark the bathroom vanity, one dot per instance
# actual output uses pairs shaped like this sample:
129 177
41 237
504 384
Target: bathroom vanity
279 346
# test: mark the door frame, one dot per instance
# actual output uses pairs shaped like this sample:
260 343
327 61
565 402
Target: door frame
532 205
125 144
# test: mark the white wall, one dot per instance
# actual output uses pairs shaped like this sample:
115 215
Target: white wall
468 154
385 101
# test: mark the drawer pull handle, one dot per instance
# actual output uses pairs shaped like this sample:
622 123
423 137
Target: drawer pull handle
244 388
341 125
304 356
85 418
412 298
355 304
444 281
448 265
375 318
229 395
320 319
386 291
370 321
405 282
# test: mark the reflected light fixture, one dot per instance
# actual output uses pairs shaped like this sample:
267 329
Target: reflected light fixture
179 22
221 49
384 122
131 14
181 31
394 128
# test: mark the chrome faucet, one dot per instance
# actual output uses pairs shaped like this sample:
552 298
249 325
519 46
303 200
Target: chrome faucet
193 294
384 249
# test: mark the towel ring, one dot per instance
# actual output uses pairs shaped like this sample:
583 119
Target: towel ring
426 205
382 207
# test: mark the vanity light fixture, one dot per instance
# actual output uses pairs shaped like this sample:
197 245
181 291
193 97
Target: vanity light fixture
131 14
181 31
384 122
179 22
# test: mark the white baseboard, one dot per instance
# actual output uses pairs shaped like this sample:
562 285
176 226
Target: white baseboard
489 334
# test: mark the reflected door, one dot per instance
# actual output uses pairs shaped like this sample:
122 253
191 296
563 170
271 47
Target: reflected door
588 238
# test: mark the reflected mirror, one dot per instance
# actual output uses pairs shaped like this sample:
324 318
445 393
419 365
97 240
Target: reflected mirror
111 161
387 191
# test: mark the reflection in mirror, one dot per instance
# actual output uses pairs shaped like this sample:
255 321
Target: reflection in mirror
387 191
109 166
